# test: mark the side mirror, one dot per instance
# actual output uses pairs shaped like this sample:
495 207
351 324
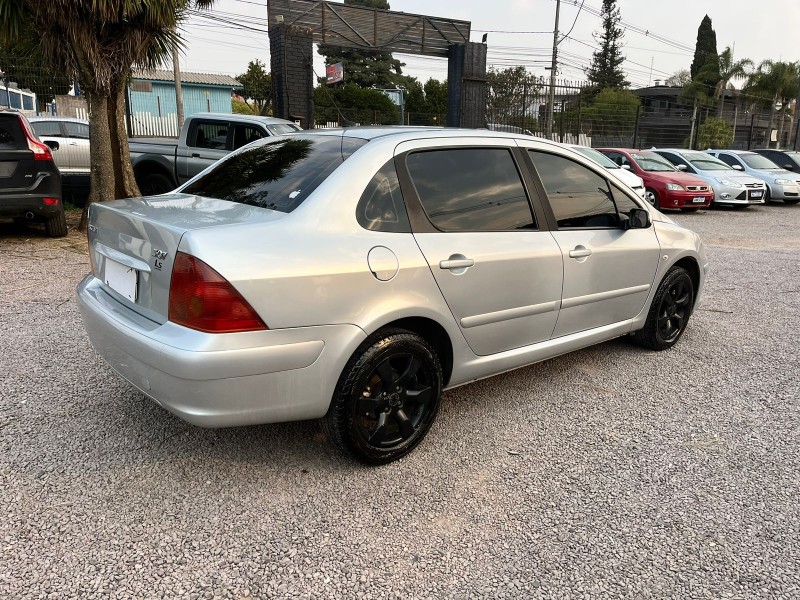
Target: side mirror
626 167
638 218
52 144
738 167
680 167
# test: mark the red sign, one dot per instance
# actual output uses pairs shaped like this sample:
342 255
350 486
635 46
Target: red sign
334 73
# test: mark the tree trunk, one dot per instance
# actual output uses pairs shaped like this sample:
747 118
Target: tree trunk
111 171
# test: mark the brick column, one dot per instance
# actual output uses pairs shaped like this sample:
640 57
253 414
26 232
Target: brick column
291 63
466 85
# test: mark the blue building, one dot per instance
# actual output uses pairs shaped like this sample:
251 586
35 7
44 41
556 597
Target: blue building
153 92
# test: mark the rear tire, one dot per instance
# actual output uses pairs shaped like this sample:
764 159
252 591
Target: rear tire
669 313
56 226
387 398
154 184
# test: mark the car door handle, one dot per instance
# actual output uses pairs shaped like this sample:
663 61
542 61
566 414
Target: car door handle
580 252
73 143
195 155
456 263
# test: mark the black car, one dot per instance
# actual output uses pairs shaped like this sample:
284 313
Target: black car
785 159
30 183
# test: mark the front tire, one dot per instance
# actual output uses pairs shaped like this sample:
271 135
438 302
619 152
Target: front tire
651 196
669 313
387 398
56 226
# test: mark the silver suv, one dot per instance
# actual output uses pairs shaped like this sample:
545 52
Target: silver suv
352 275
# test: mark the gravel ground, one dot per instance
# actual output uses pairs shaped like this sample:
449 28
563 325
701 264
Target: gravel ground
611 472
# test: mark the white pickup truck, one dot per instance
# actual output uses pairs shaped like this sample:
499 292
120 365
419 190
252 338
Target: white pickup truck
161 164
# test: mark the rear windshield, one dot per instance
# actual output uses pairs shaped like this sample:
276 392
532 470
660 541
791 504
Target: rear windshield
11 135
278 174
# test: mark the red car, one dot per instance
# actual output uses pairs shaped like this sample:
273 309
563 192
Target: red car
665 186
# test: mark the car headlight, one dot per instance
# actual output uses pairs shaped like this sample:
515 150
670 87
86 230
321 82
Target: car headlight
674 187
784 181
729 183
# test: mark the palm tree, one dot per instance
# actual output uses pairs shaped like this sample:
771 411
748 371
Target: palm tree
728 70
100 42
780 82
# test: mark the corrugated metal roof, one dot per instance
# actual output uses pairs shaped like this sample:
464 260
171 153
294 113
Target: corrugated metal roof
186 77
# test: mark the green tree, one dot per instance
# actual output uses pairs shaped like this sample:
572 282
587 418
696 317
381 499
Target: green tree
100 42
729 69
705 65
257 87
353 104
427 99
777 83
714 133
510 94
364 68
22 62
606 68
613 113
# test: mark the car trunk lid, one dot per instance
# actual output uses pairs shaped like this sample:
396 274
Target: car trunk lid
133 243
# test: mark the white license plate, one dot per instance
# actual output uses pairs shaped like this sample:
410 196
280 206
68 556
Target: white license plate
121 278
756 195
698 200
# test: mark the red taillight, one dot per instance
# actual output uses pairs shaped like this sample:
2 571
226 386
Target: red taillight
202 299
51 201
40 150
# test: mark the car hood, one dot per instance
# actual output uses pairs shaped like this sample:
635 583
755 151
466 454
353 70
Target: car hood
683 179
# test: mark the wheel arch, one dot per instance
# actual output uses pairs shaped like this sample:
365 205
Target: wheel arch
149 166
433 333
692 267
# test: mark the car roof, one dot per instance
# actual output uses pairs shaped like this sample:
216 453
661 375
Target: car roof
730 151
240 118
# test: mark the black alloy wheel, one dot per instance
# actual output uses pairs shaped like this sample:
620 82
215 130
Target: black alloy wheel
387 398
670 311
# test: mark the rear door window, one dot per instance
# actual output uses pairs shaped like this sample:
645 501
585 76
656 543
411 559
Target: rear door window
471 189
77 130
278 173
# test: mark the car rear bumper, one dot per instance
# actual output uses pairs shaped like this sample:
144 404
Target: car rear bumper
219 380
20 205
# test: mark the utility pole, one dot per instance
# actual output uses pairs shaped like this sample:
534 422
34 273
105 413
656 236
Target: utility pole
553 69
176 68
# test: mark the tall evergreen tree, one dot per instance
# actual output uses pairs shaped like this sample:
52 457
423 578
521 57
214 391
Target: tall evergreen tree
705 66
606 68
364 68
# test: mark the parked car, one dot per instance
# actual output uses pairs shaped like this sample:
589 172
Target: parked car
507 128
161 164
30 184
633 181
665 186
781 184
785 159
352 275
731 187
72 158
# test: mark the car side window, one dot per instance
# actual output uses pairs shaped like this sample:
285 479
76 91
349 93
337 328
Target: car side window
579 197
381 206
244 134
617 158
47 128
677 160
77 130
728 159
209 134
471 189
623 202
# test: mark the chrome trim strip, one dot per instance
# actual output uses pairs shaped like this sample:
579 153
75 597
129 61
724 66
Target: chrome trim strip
599 297
121 258
508 314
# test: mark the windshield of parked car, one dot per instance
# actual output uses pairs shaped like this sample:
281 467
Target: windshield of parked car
282 128
597 157
278 174
706 162
650 161
757 161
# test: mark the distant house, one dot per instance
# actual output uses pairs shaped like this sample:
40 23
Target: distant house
152 105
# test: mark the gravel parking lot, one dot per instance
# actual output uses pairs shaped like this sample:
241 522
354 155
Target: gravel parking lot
611 472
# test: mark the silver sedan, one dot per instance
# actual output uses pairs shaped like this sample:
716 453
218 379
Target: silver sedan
352 275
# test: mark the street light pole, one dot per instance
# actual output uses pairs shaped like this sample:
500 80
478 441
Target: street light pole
553 69
5 84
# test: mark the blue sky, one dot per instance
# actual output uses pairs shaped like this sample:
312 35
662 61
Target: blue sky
220 48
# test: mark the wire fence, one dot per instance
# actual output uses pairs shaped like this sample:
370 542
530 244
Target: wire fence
658 116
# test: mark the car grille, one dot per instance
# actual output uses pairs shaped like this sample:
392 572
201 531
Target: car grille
697 188
754 185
